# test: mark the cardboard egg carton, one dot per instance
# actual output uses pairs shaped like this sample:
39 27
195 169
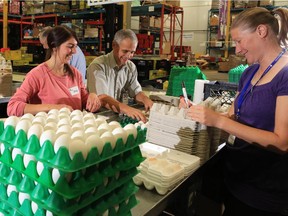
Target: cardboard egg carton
164 168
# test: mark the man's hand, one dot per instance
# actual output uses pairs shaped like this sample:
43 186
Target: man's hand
93 103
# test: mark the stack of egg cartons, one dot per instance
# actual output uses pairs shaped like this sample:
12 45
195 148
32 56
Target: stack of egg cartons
169 127
165 170
68 163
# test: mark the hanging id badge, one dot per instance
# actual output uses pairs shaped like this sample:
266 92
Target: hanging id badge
231 140
74 90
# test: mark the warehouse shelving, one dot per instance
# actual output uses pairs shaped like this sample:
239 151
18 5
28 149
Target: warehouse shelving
92 16
174 18
222 46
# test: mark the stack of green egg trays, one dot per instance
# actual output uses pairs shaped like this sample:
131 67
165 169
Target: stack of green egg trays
101 183
187 74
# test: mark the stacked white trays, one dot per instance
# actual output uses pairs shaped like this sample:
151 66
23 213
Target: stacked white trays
168 127
164 168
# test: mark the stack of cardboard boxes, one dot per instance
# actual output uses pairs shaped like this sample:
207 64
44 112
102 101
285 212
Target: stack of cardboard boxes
5 77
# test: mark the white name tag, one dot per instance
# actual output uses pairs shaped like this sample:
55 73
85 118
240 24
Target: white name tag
74 90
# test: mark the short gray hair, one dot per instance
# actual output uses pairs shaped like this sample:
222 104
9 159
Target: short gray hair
123 34
44 32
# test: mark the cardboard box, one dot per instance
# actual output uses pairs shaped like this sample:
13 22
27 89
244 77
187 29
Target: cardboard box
91 33
157 22
173 3
20 62
13 54
166 47
144 22
27 57
89 59
5 84
214 20
265 2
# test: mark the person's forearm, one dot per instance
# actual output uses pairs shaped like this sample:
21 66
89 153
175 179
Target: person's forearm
140 97
35 108
110 103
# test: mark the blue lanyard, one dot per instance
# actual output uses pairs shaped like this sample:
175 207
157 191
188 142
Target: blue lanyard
243 93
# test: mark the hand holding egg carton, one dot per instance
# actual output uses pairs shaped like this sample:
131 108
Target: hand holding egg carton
165 170
73 157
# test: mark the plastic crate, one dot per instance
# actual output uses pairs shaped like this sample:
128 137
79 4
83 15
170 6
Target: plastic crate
225 90
188 75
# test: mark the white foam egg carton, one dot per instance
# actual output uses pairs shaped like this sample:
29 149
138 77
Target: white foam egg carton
164 168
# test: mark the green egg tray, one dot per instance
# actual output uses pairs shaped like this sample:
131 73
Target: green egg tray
79 182
122 196
125 120
119 202
61 160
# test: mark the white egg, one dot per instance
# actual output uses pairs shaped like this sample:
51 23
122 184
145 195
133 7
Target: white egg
113 125
89 123
50 126
108 137
55 175
94 141
39 120
39 168
34 207
12 121
131 129
53 111
91 131
100 121
48 213
77 126
22 196
27 158
77 145
137 125
48 135
141 122
88 115
23 124
10 189
63 121
62 140
76 119
143 126
76 113
65 110
52 118
120 133
15 152
2 148
28 116
35 129
79 134
42 114
103 128
64 129
63 115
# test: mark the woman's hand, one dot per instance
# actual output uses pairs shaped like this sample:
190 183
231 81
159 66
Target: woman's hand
202 114
183 104
93 103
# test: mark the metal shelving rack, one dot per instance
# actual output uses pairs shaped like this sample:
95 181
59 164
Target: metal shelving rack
175 17
226 48
96 13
